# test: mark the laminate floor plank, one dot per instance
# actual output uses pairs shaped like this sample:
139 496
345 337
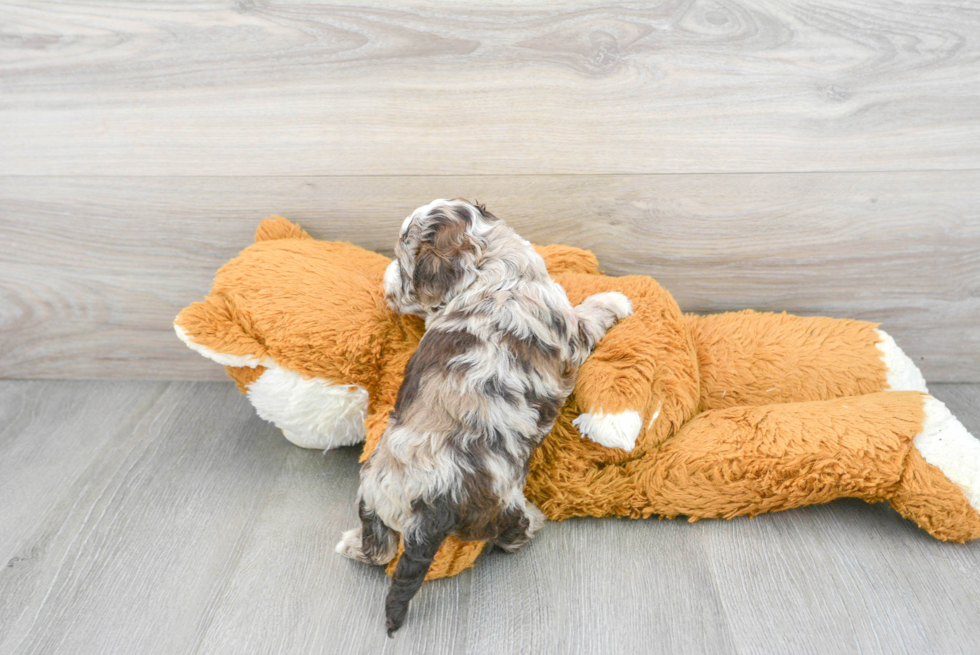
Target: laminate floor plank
182 523
49 435
134 552
600 586
291 593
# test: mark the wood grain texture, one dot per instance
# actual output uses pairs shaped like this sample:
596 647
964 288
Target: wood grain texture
335 606
93 270
304 88
181 523
600 586
827 579
138 544
34 428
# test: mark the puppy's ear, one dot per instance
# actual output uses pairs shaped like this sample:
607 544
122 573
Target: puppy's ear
445 262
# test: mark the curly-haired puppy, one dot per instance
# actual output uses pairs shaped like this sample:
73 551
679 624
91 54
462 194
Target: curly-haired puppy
499 357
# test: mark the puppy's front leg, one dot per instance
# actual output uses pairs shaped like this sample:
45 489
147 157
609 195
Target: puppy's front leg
596 314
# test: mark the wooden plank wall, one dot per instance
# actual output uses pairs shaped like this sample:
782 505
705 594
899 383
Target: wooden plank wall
819 157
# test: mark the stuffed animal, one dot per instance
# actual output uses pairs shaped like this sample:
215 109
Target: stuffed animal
702 416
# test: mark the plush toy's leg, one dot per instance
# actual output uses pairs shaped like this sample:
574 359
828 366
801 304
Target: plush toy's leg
903 447
752 358
641 382
940 488
455 556
901 373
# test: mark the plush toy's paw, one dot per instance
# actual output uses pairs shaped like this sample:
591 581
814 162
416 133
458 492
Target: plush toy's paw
946 444
611 430
940 485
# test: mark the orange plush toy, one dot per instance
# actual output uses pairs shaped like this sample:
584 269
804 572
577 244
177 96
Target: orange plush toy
703 416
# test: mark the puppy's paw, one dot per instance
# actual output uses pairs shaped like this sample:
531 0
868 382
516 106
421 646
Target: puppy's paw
614 302
618 430
350 546
511 543
536 517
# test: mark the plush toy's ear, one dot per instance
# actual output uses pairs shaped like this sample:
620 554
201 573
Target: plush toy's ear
210 328
445 260
277 227
568 259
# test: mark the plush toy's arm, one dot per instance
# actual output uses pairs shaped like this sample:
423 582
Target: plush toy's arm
385 393
640 384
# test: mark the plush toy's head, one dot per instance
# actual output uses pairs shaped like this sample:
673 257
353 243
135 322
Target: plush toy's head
310 350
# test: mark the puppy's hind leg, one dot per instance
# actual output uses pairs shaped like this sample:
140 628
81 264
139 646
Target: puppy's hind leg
520 527
429 526
373 543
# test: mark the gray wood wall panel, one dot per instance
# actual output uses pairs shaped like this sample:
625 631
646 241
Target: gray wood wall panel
816 157
301 88
182 523
93 269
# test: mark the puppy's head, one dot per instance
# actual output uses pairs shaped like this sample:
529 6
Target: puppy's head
437 255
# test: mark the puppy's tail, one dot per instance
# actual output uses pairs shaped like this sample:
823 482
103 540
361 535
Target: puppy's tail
431 525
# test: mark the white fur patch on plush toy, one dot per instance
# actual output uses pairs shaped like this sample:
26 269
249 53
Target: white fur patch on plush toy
947 445
311 412
618 430
902 374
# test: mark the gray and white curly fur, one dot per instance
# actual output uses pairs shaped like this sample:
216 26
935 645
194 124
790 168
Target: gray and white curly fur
499 357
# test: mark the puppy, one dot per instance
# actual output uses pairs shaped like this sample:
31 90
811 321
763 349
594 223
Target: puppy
499 357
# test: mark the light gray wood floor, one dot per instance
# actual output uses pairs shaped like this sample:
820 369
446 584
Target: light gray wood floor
165 517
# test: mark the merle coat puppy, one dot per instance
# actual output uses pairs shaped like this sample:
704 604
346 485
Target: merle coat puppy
499 357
